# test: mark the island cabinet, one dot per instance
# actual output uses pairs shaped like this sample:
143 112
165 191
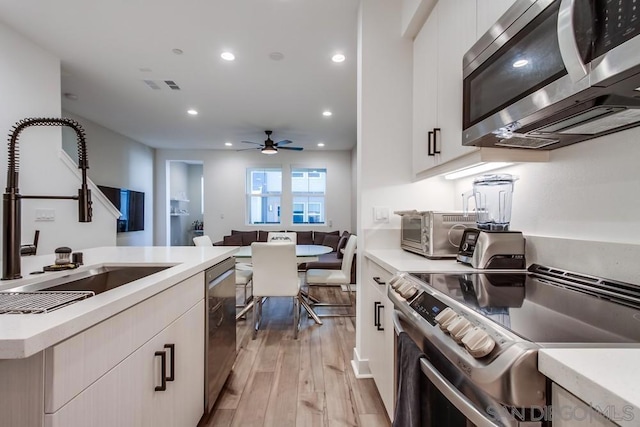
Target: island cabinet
377 335
141 367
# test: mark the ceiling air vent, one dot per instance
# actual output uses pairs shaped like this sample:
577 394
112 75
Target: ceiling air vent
152 84
173 85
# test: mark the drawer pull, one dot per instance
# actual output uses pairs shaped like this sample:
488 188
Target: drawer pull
172 364
163 370
379 325
379 281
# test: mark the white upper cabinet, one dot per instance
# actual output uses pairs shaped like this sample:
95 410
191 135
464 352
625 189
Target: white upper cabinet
449 31
488 13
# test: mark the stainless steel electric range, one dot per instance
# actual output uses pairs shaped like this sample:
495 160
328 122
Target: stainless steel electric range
480 333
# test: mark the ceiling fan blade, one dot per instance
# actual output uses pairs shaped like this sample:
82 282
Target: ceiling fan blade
283 142
252 148
250 142
292 148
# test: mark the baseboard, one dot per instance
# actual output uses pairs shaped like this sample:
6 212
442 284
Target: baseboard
360 366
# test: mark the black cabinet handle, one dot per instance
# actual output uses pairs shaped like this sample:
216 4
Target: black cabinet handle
163 374
430 143
379 281
376 322
379 325
436 131
172 364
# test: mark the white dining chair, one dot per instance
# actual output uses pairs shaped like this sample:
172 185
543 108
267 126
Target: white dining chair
203 240
275 274
281 236
328 277
244 272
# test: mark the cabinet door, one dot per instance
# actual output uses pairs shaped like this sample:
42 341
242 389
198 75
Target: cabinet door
456 34
127 395
488 13
382 365
425 92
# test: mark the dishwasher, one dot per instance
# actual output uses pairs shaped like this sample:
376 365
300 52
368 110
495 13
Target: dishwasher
220 329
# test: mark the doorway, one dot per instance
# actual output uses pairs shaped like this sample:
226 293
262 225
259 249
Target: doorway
185 201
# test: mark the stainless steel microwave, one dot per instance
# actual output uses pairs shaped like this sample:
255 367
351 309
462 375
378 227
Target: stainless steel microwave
433 234
551 73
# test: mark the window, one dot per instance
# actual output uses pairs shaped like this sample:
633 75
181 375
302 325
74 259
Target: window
264 189
308 188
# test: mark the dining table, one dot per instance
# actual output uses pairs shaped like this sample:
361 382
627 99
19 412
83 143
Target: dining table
304 253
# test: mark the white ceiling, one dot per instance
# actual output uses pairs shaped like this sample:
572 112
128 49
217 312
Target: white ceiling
109 47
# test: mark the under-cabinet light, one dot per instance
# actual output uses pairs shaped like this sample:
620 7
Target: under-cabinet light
476 169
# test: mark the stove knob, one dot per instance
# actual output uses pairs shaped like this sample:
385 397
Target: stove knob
459 329
404 286
394 280
409 292
445 317
478 343
396 284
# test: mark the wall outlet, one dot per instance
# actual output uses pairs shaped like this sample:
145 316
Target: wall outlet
45 214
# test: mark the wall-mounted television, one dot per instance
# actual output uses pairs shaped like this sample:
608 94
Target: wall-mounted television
130 204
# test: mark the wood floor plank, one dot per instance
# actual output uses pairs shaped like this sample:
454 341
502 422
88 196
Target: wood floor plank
283 398
311 411
279 381
253 406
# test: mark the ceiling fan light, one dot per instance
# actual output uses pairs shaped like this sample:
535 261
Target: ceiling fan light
269 150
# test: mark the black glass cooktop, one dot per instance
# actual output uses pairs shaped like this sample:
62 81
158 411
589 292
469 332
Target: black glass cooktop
544 308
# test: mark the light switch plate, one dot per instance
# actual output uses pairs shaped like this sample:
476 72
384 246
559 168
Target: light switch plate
380 214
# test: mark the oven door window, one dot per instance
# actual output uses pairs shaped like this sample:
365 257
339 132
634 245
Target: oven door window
526 63
412 229
437 410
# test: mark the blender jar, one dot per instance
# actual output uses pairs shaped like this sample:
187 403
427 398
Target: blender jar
493 196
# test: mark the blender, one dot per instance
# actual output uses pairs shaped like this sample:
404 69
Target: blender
491 245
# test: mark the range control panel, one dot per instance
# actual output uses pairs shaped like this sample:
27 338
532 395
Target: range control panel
428 307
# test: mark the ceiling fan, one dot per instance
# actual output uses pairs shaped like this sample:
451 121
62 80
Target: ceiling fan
270 147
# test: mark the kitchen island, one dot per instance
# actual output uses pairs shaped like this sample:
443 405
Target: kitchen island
102 360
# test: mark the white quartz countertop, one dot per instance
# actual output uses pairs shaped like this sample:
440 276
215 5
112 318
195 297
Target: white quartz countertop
22 335
605 378
394 260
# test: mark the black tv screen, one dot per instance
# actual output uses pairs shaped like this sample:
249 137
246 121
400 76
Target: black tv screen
130 204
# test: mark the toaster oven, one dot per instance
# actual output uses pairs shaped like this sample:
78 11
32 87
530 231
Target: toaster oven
433 234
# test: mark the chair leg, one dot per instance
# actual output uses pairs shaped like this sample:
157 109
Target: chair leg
296 316
257 315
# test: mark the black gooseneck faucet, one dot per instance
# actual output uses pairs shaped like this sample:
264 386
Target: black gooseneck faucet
11 212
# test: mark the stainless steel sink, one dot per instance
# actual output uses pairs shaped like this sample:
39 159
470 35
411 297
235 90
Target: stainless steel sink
97 280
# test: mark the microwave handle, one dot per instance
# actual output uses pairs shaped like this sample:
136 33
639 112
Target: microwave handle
567 42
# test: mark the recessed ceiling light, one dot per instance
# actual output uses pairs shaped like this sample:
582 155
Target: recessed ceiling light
320 144
520 63
338 57
276 56
227 56
192 112
327 113
228 144
177 51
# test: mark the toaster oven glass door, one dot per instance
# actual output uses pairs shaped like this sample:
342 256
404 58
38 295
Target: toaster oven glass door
412 229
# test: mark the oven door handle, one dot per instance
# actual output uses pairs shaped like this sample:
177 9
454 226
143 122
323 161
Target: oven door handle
396 321
567 42
458 399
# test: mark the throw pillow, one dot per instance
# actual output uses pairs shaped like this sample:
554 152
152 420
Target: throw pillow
233 240
305 238
342 243
318 236
331 240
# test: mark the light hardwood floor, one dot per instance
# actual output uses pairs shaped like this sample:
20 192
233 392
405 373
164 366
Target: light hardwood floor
279 381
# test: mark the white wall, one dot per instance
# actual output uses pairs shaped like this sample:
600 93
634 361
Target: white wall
384 128
224 184
30 87
587 191
121 162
